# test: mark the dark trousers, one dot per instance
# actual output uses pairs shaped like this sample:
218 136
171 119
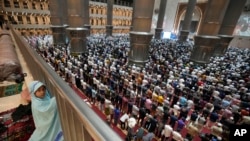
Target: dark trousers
123 125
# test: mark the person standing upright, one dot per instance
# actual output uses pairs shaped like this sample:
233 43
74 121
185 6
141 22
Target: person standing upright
117 113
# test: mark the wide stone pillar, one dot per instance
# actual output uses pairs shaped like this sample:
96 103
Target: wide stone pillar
109 26
133 15
140 37
203 48
59 35
187 20
87 26
222 46
109 30
183 35
160 20
77 39
158 33
85 14
66 36
214 13
78 13
143 12
56 12
78 16
139 52
231 16
57 20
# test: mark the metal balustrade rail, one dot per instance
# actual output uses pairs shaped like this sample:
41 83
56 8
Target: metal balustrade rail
79 121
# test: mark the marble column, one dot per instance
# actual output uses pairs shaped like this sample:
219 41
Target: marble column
139 43
66 37
222 46
109 26
86 23
78 16
133 15
87 26
143 11
140 37
231 16
78 40
59 34
187 20
203 48
57 20
213 16
161 15
183 35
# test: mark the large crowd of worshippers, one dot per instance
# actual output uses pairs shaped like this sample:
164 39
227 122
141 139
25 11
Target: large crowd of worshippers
170 91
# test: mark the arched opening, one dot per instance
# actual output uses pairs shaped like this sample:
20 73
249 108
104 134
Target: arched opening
195 23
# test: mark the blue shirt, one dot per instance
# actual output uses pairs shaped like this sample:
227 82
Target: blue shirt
116 113
225 103
183 101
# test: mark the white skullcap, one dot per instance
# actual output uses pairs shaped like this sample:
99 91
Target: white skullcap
241 81
216 93
229 81
193 72
215 80
176 107
182 80
171 77
158 76
226 87
182 86
219 124
170 72
162 91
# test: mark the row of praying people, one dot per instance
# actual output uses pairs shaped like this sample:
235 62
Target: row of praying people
213 91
